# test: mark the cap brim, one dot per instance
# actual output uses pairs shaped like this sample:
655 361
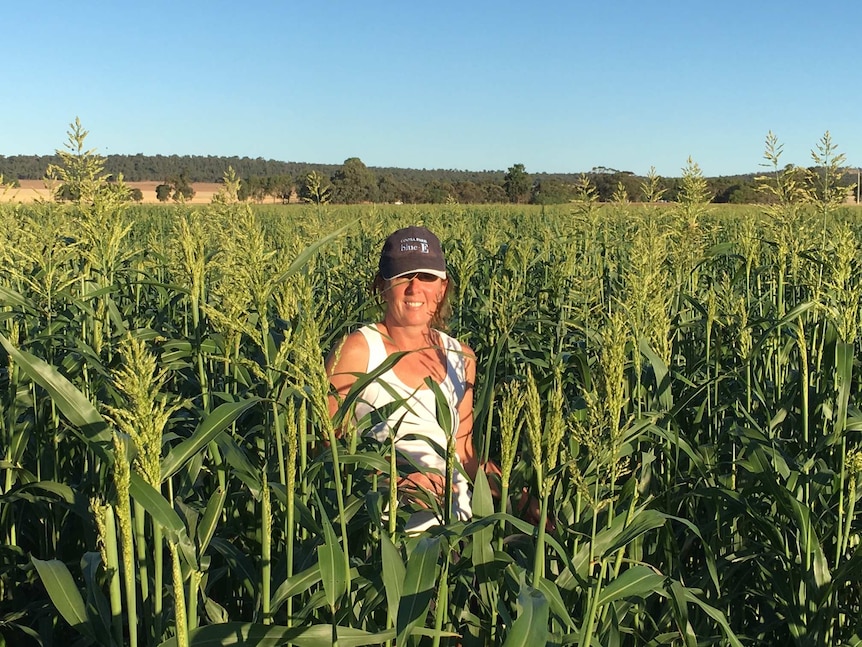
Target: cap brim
440 274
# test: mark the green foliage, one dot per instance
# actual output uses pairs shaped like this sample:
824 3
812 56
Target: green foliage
163 192
354 183
551 191
262 179
517 184
674 385
81 175
315 189
181 186
651 188
229 191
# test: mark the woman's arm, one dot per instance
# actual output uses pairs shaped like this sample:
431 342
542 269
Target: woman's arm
344 362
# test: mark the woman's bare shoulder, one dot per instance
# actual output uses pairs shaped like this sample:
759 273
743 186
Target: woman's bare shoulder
350 355
468 352
462 347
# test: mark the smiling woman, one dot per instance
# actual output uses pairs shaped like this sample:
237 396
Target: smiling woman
414 286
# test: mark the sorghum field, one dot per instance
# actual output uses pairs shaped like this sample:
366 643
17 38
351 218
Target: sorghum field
676 383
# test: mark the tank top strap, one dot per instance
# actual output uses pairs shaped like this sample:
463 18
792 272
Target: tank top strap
454 355
376 348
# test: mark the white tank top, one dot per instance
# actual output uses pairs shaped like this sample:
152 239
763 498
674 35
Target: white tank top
415 421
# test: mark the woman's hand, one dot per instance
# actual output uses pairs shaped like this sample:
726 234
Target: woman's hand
431 482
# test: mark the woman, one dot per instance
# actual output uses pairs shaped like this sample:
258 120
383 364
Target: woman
413 284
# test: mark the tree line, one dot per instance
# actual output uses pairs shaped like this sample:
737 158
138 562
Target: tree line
353 182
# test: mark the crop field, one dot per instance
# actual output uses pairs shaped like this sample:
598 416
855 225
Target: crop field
676 383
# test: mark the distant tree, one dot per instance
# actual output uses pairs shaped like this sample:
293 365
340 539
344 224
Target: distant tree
439 192
281 187
495 194
741 194
354 183
163 192
468 193
517 184
177 188
136 195
552 191
180 187
607 182
390 189
254 188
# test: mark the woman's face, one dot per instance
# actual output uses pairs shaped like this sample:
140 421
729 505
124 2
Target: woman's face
413 300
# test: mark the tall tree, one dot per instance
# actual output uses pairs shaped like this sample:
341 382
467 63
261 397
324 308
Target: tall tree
517 183
354 182
182 187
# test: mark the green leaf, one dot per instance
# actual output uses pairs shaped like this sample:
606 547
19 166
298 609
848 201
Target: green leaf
637 581
662 376
393 573
64 594
366 459
297 583
257 635
679 603
333 569
71 402
162 513
210 427
483 551
239 565
300 261
767 335
420 582
210 519
843 379
156 505
30 492
625 528
485 395
552 593
10 297
239 462
483 501
643 520
445 415
685 593
530 628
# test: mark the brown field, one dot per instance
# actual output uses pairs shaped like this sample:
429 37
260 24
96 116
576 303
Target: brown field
31 190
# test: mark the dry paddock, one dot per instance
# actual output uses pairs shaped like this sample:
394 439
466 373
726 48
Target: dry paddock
31 190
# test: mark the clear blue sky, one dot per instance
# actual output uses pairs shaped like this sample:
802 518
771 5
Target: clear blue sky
558 86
